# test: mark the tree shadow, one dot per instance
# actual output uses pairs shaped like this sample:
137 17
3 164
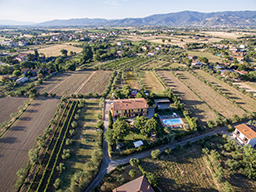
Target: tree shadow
8 140
18 128
25 118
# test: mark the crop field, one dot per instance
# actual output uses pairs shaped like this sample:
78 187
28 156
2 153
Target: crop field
20 138
210 56
97 83
243 100
150 82
248 86
218 102
131 80
82 151
198 108
54 50
186 170
225 35
9 105
71 83
49 84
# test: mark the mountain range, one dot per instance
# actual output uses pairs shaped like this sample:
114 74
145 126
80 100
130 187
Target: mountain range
178 19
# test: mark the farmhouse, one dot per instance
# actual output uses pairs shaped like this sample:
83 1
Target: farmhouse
129 107
150 53
140 184
245 134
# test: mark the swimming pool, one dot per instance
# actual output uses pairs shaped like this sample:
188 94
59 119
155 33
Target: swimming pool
176 121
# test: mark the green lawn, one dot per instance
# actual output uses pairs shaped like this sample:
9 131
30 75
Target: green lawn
80 150
212 58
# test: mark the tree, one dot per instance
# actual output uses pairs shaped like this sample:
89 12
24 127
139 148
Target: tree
132 173
16 73
152 179
33 155
138 95
150 126
120 129
110 119
64 52
140 122
109 136
134 162
155 153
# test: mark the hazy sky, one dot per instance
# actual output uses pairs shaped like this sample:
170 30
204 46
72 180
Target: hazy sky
43 10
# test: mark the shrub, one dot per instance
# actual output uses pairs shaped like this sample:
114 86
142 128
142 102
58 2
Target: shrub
74 124
132 173
168 151
134 162
155 153
57 183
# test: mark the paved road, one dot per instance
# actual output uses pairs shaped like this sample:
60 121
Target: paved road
109 164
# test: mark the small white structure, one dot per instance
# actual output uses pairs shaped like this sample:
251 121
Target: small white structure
22 80
138 143
245 134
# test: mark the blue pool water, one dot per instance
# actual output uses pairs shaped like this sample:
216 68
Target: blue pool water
172 121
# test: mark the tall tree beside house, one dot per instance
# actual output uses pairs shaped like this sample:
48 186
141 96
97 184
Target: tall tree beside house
150 126
110 119
120 129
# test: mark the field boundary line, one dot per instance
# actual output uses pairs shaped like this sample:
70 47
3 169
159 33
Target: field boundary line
85 82
59 84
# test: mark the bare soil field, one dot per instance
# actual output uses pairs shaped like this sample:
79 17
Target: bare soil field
10 105
67 84
243 100
54 50
198 108
97 83
225 35
211 97
50 84
20 138
151 83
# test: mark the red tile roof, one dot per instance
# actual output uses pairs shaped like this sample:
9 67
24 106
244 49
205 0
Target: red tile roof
246 131
126 104
140 184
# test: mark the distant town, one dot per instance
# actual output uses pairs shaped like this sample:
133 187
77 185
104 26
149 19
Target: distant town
130 109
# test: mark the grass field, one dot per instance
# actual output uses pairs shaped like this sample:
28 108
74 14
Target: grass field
54 50
81 151
130 80
222 105
198 108
184 170
97 83
20 138
243 100
212 58
9 105
150 82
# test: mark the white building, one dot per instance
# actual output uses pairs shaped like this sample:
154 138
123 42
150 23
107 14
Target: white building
22 80
245 134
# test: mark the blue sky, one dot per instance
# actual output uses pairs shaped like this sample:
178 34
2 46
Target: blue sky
43 10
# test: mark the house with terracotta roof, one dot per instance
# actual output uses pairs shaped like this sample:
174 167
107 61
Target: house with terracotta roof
129 107
140 184
245 134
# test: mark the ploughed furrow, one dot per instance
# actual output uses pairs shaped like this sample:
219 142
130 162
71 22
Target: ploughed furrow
37 176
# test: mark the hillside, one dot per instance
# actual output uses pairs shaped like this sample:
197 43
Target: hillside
179 19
